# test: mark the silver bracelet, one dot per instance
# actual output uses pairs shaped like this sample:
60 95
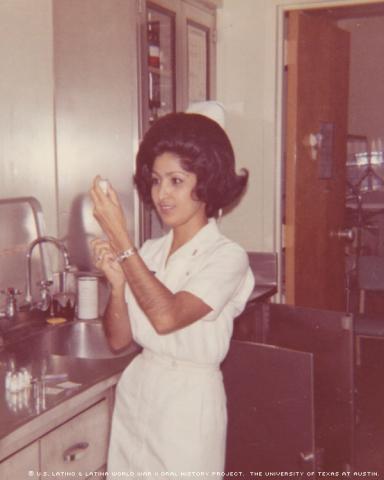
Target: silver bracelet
126 254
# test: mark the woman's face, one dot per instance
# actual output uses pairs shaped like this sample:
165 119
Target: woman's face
173 193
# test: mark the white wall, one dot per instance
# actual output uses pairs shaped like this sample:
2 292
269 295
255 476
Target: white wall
26 97
96 100
244 87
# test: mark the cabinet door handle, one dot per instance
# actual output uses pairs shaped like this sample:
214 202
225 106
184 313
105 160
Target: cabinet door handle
75 452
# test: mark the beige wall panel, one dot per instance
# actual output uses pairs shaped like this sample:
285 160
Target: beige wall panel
242 89
96 109
26 97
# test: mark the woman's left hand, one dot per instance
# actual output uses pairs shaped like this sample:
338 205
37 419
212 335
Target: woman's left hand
110 216
105 260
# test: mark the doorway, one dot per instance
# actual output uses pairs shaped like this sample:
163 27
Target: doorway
348 185
333 172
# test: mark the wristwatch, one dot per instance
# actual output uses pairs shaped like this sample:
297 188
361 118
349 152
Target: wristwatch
126 254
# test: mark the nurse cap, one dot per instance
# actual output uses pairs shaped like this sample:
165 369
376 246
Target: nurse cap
211 109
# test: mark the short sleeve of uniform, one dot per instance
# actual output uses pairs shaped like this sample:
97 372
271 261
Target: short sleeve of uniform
223 276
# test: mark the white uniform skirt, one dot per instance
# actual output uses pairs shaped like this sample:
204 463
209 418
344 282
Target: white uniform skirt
170 416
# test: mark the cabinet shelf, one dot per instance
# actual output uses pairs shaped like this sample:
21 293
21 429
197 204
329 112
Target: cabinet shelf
160 71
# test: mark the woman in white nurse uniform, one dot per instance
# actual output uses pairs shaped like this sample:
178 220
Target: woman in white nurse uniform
176 297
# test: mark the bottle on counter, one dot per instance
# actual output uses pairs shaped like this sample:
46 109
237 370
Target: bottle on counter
87 297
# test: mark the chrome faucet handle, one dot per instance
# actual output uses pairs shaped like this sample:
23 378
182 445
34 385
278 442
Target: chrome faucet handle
11 300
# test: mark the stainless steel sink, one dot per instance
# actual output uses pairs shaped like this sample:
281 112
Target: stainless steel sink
80 339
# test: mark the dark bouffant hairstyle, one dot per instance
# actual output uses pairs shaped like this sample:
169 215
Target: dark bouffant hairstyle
204 149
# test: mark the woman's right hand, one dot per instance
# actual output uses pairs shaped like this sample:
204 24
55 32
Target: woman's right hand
104 259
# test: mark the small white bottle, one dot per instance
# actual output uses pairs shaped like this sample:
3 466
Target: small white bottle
104 185
8 377
87 298
26 377
15 384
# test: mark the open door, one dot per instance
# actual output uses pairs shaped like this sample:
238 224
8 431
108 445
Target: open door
316 133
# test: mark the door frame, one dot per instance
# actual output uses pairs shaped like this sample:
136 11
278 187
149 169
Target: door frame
274 98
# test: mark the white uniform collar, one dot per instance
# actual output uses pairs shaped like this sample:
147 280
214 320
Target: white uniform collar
202 240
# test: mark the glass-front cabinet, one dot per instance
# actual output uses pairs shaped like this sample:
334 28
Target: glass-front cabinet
160 62
199 65
178 67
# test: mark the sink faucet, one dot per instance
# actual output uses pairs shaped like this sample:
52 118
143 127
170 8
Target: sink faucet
45 239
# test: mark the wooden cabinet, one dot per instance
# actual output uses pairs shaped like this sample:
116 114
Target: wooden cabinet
19 464
78 444
178 65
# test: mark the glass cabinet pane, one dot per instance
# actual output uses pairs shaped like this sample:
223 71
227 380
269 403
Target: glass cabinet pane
161 62
198 62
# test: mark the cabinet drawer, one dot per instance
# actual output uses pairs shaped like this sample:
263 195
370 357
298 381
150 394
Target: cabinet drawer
79 445
19 464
